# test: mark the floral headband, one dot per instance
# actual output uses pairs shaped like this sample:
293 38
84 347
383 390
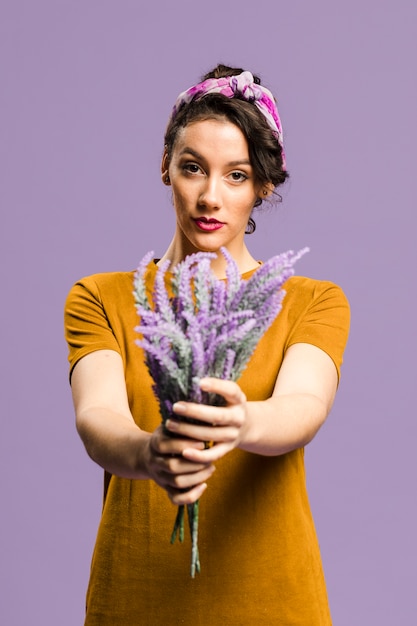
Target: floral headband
244 87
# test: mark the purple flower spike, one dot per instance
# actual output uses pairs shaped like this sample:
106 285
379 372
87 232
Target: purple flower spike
204 327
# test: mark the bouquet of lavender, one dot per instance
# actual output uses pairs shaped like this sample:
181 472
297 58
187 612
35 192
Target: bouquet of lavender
201 327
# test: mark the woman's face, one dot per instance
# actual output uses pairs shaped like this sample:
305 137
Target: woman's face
213 186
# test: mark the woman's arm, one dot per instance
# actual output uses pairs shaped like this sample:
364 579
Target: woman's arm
113 440
302 398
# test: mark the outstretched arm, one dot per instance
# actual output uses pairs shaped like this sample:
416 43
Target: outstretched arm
289 419
113 440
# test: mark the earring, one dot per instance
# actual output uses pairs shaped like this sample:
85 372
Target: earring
167 180
265 192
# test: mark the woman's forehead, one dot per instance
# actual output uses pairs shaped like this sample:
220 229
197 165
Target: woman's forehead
206 136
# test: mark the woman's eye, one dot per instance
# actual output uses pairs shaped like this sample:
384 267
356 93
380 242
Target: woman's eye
238 177
192 168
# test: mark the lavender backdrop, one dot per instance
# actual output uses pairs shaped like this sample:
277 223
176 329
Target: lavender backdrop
86 88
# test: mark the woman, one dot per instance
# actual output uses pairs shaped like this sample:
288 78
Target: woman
258 548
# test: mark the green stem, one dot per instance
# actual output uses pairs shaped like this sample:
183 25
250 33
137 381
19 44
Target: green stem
192 510
178 525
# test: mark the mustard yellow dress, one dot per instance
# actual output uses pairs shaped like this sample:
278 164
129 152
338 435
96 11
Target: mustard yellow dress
260 558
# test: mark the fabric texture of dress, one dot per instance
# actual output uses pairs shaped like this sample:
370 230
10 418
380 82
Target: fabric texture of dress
260 558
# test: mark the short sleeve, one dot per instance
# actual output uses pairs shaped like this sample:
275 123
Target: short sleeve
87 327
323 321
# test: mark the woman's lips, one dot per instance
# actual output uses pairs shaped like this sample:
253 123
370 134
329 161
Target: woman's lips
208 225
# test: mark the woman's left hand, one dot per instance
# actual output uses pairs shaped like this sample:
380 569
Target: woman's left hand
223 426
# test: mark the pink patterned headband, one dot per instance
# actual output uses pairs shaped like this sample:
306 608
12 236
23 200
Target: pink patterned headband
242 86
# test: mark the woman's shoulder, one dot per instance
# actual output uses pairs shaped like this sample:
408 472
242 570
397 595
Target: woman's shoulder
106 279
114 280
306 289
316 303
316 312
106 288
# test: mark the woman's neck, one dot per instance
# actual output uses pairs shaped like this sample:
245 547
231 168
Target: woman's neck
243 258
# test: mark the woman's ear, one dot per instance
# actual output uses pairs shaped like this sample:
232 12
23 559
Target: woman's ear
266 190
164 168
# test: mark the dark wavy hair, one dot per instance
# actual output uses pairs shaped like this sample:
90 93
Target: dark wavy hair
265 153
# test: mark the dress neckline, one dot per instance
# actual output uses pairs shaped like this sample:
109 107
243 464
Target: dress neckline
245 275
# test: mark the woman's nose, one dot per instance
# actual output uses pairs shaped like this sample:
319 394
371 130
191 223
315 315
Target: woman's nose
210 195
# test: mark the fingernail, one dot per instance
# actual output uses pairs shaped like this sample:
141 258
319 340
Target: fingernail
179 406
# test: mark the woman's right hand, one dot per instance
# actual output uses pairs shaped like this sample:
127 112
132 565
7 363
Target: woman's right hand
183 480
117 444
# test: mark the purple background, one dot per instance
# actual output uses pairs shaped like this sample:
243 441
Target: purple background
86 89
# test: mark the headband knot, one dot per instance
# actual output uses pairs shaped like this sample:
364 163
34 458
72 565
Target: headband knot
244 85
241 86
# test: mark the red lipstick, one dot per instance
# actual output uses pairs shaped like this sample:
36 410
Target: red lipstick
208 225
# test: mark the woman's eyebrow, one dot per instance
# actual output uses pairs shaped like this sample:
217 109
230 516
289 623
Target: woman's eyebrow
200 157
239 162
194 153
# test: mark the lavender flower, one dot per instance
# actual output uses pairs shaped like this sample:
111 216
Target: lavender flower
203 326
